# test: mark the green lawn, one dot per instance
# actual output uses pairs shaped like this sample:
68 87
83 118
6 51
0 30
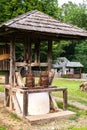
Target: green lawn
1 88
72 86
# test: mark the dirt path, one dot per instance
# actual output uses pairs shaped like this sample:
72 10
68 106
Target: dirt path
10 123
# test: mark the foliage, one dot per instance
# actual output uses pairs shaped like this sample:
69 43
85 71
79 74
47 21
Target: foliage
69 13
80 54
75 14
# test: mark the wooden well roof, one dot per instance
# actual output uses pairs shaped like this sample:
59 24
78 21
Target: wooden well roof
42 24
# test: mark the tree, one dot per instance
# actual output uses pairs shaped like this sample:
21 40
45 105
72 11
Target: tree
81 54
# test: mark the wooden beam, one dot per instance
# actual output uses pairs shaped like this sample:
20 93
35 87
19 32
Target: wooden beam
4 56
32 64
49 54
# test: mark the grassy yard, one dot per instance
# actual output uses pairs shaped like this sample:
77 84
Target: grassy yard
74 95
72 86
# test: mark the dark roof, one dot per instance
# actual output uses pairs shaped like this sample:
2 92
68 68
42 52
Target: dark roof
74 64
37 21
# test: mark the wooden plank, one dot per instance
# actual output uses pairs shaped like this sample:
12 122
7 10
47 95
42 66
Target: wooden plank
50 117
4 56
38 89
32 64
39 64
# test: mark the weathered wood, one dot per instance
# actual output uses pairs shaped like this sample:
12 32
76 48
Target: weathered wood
37 51
16 103
19 79
4 56
49 55
12 62
28 51
53 103
6 77
65 99
25 104
54 116
7 98
32 64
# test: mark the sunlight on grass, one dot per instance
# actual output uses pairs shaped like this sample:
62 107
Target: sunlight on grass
72 86
78 128
1 88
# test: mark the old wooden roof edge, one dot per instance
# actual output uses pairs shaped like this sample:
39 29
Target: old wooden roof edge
12 21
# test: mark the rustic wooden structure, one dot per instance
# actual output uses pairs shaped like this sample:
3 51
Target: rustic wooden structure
75 68
34 27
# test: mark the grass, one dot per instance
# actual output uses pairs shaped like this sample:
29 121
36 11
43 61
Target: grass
1 88
2 128
73 89
78 128
14 117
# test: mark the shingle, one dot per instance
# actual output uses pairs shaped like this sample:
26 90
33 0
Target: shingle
38 21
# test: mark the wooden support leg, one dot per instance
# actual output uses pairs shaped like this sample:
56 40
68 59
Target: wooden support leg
53 103
65 99
25 104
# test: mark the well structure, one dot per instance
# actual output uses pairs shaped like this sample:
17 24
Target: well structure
32 29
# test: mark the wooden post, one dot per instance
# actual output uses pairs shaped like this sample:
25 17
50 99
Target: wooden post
25 104
12 69
49 55
7 77
37 51
12 62
80 72
65 99
28 51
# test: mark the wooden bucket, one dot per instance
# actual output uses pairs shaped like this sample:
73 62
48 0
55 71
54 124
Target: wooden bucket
30 81
44 79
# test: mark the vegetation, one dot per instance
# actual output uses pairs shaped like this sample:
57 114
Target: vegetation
2 128
69 13
14 117
79 128
72 86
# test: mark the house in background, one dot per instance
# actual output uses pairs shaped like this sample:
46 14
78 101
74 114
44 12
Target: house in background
65 68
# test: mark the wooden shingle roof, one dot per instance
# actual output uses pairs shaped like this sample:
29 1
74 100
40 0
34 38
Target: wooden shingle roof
36 21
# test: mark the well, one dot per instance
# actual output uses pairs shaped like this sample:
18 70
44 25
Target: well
33 29
38 103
